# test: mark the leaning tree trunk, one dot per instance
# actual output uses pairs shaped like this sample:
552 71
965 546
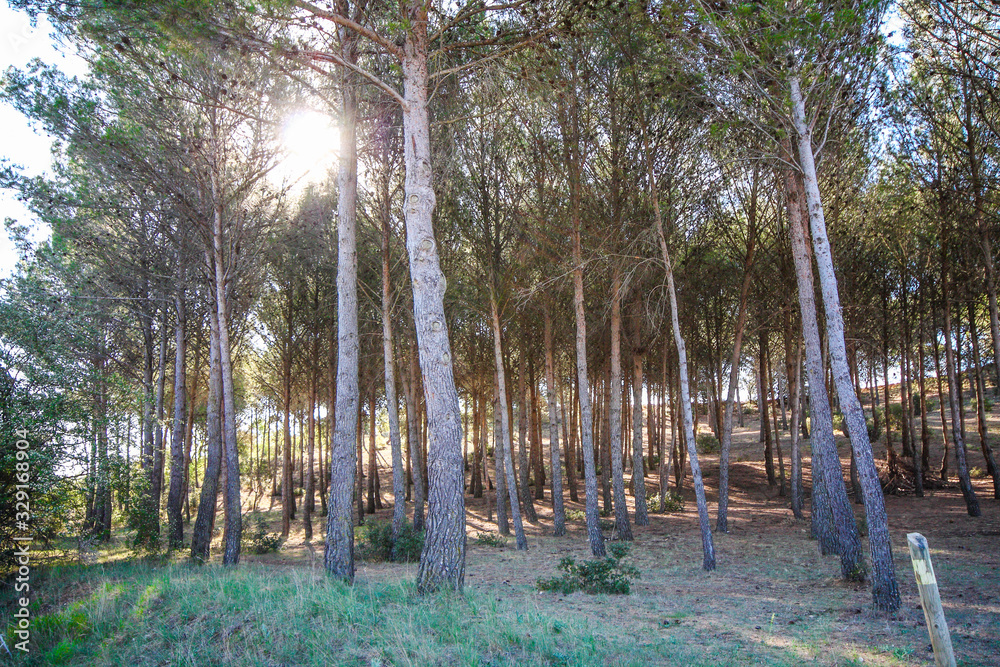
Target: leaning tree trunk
442 562
558 510
201 534
338 556
707 545
885 591
623 529
833 519
233 506
177 467
503 448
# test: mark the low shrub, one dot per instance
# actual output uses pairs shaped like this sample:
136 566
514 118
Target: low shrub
707 443
258 540
605 575
977 473
491 539
576 515
672 502
375 543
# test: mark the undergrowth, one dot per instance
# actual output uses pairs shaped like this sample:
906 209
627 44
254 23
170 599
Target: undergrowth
603 575
137 614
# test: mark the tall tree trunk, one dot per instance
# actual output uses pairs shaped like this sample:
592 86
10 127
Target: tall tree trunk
558 510
156 473
885 591
338 556
499 467
201 534
722 516
971 502
503 448
833 520
223 275
411 387
523 417
388 359
708 547
638 465
177 467
586 441
442 562
623 529
984 443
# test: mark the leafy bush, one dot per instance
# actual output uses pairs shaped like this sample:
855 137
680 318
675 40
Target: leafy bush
672 502
987 404
258 540
977 473
576 515
707 443
142 515
375 543
491 539
604 575
895 416
874 431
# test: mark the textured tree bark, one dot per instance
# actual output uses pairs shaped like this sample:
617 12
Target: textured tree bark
309 499
156 472
984 443
638 466
500 474
885 591
833 520
442 563
410 385
503 449
707 544
177 467
722 516
523 413
389 362
233 506
338 555
765 422
623 529
794 434
287 495
201 534
558 509
971 502
586 441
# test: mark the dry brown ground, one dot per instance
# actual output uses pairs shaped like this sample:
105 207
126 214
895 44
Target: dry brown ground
773 598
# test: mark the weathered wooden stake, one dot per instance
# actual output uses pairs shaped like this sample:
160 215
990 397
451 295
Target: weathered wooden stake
930 600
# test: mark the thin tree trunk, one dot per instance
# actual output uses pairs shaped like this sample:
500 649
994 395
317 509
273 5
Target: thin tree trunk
623 529
558 511
177 467
638 465
504 445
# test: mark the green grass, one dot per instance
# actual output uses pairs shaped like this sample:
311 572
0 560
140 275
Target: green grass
136 614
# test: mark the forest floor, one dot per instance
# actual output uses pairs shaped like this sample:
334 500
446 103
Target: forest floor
773 600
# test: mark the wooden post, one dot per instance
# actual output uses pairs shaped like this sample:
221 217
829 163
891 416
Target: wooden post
930 600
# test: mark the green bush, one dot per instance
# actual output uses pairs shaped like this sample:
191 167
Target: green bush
258 540
672 502
874 431
707 443
977 473
895 416
604 575
988 404
375 543
576 515
491 539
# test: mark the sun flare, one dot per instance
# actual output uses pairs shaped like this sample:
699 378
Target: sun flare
310 141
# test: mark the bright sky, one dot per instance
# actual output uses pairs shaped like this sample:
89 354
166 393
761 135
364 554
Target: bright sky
19 44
